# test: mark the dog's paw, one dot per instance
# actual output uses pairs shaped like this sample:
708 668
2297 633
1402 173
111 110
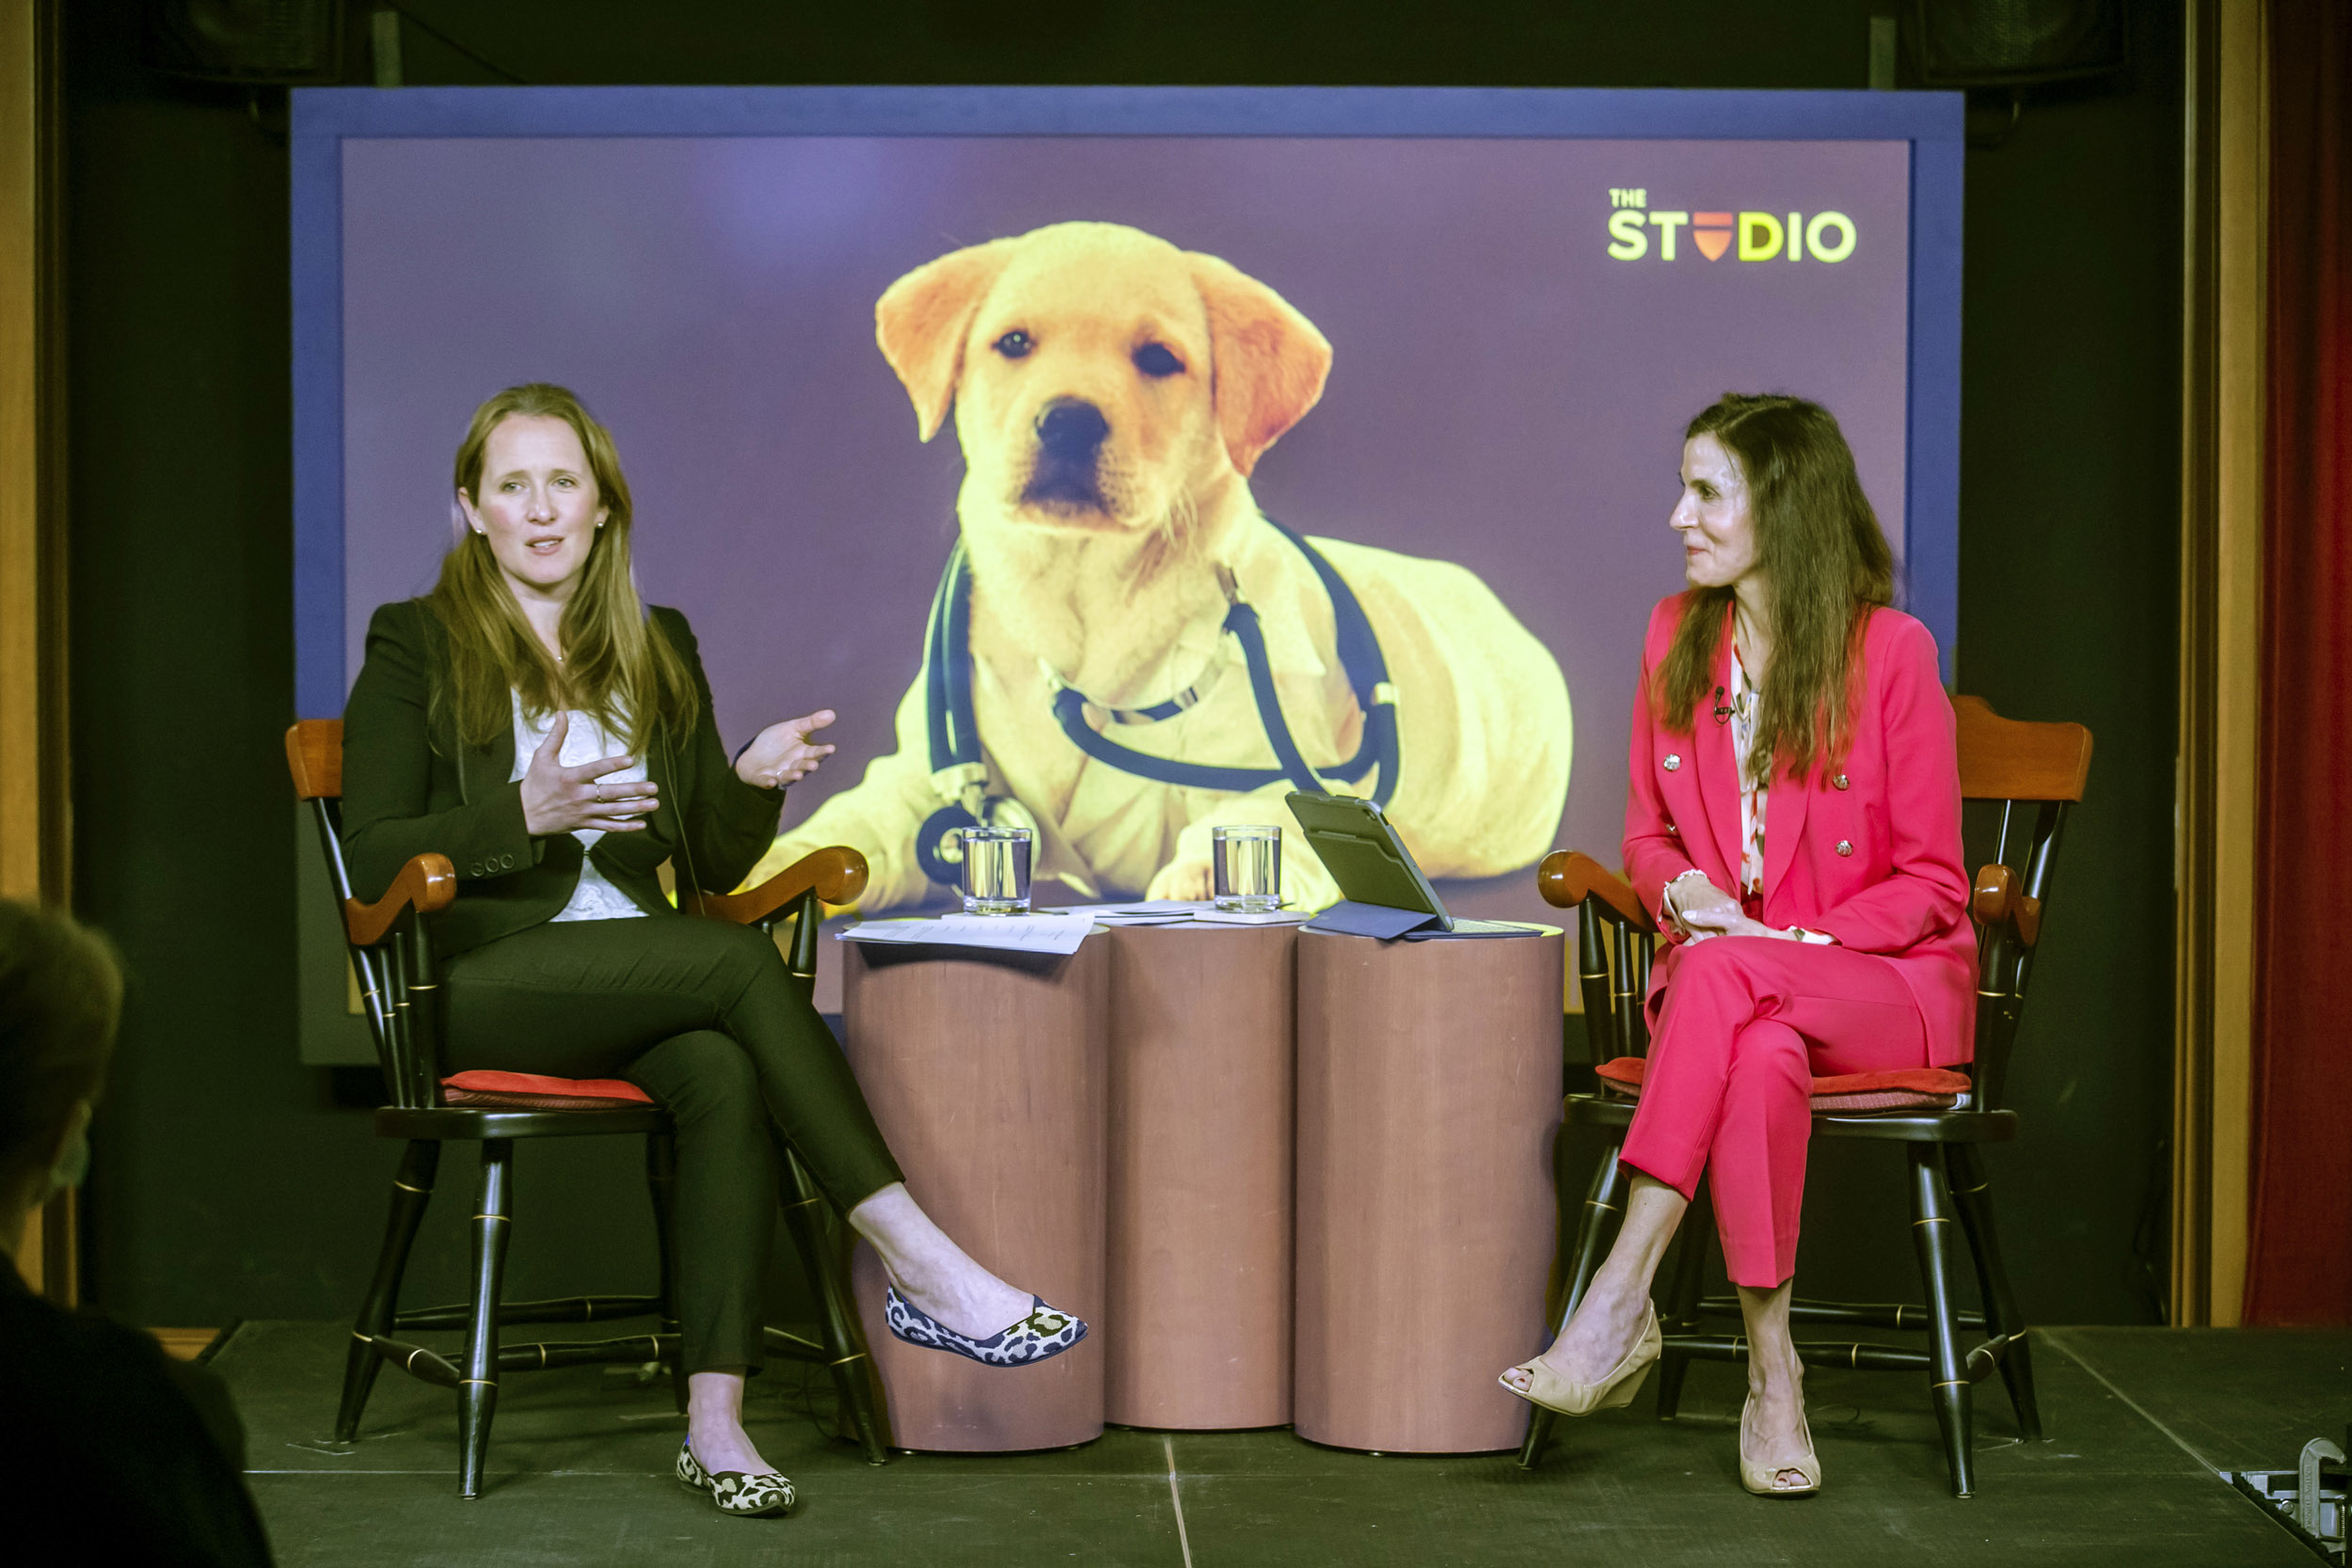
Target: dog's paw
1188 880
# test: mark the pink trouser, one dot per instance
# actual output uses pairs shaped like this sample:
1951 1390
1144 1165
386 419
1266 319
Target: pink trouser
1745 1024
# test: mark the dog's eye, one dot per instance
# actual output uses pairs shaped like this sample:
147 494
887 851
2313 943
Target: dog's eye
1155 360
1014 345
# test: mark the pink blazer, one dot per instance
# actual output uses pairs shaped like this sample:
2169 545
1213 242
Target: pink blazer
1866 850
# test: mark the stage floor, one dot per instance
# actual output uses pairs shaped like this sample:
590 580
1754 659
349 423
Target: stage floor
2138 1421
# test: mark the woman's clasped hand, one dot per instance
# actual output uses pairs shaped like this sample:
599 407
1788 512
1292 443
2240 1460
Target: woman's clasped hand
1700 910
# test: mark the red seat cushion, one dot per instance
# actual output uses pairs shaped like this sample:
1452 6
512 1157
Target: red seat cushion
529 1092
1910 1088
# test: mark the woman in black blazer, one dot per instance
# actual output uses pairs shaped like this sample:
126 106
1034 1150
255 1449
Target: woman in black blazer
529 720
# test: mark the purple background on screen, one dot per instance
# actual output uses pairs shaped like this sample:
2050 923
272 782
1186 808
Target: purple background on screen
1503 394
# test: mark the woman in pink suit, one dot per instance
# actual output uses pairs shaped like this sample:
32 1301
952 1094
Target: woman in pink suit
1793 822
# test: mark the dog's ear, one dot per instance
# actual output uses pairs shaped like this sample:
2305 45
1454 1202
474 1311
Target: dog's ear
1270 364
921 319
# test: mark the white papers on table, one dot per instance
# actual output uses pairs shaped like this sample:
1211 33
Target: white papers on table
1173 912
1055 931
1017 933
1152 911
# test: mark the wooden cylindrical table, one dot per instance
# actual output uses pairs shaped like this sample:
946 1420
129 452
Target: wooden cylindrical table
1429 1089
988 1073
1201 1137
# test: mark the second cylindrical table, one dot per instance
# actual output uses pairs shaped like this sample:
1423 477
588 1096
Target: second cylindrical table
1200 1225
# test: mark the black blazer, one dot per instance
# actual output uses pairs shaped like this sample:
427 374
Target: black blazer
409 788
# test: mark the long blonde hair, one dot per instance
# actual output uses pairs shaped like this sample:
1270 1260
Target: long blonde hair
615 667
1826 566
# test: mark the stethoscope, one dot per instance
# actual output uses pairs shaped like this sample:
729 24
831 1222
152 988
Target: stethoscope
960 777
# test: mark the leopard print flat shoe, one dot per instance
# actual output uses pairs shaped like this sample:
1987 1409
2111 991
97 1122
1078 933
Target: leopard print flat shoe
735 1491
1045 1332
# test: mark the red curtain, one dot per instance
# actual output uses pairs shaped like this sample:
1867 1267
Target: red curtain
2300 1267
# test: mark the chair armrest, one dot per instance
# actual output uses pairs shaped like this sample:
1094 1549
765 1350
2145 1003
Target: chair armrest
426 883
1997 901
837 873
1570 876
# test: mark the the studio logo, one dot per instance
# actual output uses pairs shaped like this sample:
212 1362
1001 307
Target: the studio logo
1761 236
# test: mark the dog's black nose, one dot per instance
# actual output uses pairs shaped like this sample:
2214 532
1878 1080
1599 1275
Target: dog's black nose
1071 429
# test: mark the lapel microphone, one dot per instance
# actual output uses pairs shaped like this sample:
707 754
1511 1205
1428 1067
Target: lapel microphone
1722 709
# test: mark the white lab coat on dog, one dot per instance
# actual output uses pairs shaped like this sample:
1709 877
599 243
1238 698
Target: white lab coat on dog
1483 738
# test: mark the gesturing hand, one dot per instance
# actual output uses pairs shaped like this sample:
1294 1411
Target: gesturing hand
783 753
558 800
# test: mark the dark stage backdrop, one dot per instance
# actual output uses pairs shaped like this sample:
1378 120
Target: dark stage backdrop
230 1181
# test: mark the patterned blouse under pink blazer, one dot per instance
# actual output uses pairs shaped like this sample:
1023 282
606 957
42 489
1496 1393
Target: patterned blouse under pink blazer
1866 849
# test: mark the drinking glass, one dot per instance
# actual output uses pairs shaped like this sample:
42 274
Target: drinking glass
1249 862
997 870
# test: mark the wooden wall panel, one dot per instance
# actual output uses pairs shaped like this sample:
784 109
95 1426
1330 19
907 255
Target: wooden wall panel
2221 454
33 778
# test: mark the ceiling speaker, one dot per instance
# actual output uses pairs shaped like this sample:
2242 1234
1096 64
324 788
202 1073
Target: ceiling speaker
287 42
1985 43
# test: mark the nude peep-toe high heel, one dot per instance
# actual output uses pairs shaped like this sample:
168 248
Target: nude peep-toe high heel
1759 1478
1614 1392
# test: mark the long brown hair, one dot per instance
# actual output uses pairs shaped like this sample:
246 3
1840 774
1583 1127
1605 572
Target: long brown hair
1826 566
615 667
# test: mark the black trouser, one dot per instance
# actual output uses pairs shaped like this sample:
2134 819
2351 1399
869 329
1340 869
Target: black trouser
704 1017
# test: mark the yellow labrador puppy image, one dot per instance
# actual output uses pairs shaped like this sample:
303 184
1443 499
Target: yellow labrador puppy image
1125 652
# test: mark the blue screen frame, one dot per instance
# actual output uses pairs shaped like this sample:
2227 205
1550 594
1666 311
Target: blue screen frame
323 118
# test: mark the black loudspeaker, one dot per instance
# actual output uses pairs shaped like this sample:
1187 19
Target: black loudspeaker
1988 43
280 43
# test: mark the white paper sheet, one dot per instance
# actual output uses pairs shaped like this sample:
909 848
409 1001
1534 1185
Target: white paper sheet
1013 933
1149 909
1235 917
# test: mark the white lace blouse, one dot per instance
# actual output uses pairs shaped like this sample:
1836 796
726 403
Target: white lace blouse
1754 795
595 897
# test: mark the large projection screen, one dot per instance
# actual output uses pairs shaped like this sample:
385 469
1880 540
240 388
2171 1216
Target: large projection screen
1525 295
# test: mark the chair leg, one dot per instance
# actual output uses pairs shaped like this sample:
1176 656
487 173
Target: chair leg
1972 1195
661 1182
478 1391
412 1189
1948 1377
1682 1299
849 1361
1605 1201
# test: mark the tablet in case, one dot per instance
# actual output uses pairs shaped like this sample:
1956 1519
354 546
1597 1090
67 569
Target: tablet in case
1384 893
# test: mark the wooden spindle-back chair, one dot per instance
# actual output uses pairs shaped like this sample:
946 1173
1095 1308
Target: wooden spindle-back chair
392 950
2034 772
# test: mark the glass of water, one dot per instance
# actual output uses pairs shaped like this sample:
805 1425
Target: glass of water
1249 862
997 870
